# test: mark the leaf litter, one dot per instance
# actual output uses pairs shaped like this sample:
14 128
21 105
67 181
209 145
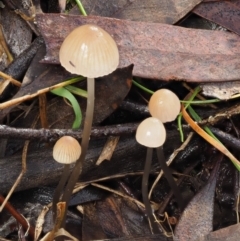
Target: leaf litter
160 52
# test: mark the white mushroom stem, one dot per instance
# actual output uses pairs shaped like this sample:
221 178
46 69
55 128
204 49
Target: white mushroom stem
85 141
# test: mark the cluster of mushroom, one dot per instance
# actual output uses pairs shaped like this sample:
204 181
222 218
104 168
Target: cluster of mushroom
91 52
164 106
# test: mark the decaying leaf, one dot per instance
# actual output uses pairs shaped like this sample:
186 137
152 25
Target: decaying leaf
17 33
222 91
224 13
164 11
197 218
108 149
157 50
230 233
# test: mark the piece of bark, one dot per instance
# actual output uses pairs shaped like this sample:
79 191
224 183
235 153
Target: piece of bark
157 50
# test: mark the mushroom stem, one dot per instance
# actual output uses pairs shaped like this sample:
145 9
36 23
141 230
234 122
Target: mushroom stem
85 141
168 175
59 189
147 168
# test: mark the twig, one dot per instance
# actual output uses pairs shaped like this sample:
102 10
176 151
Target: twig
18 217
10 79
24 168
119 194
225 114
40 222
21 99
51 135
4 45
43 110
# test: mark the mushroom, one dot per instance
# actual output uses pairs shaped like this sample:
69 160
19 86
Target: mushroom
152 134
91 52
66 151
165 106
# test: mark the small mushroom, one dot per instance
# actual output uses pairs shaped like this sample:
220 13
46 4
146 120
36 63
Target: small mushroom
91 52
152 134
165 106
66 151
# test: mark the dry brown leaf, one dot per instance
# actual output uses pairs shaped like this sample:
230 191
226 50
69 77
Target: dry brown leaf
224 13
164 11
158 51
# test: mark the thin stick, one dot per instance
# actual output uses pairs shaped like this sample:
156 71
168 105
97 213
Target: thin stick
4 45
24 168
118 193
40 222
10 79
39 92
50 135
18 217
43 110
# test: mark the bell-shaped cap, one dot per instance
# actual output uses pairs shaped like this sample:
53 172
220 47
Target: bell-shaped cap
164 105
151 133
67 150
89 51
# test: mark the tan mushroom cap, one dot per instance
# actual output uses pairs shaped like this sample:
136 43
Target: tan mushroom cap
164 105
67 150
89 51
151 133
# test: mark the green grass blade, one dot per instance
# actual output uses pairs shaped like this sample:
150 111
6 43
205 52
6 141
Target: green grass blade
76 108
76 91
